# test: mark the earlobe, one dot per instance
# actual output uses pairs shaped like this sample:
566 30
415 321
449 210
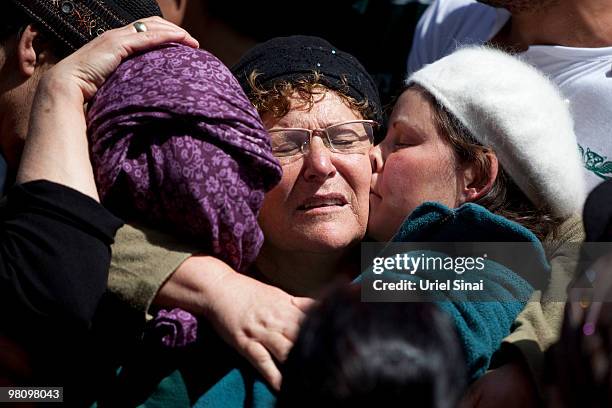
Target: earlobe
26 53
181 6
173 10
478 182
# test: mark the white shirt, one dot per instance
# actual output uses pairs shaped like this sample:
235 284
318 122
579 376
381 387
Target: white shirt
584 75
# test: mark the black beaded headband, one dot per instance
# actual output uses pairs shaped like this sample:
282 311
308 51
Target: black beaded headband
291 58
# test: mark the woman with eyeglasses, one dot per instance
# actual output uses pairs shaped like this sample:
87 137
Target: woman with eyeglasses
321 110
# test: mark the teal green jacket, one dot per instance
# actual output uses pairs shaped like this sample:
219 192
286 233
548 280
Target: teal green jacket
211 374
483 319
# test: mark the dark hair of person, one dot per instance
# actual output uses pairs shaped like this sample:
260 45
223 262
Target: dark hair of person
505 198
12 20
276 99
12 23
351 354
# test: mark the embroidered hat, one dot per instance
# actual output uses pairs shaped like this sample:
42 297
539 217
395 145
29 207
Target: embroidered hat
73 23
512 107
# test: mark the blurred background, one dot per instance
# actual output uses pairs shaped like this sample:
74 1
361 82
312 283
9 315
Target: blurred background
378 32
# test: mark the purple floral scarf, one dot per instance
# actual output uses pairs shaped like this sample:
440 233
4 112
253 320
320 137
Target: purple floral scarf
175 142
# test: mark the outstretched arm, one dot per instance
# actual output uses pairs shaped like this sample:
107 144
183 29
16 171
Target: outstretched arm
260 321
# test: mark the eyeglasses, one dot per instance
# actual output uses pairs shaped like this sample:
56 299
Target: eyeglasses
354 136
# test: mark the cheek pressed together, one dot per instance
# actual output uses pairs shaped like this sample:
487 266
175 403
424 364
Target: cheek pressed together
412 165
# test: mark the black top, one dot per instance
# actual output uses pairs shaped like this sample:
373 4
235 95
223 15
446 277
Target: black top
597 213
54 255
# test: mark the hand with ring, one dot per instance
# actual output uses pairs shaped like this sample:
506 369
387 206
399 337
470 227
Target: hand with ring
140 27
57 142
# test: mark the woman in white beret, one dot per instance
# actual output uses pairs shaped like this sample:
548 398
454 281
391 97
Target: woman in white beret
480 144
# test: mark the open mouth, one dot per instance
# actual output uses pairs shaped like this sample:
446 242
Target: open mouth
331 200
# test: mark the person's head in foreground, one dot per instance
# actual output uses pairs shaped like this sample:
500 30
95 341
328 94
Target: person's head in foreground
351 353
175 143
34 36
478 126
322 109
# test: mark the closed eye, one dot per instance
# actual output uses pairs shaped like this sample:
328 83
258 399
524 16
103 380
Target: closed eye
402 145
286 149
345 141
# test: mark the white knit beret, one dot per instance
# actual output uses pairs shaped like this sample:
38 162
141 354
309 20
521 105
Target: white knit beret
512 107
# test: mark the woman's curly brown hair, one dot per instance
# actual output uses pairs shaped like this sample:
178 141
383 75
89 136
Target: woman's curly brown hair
276 99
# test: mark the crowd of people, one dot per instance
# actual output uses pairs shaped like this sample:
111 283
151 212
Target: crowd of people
184 218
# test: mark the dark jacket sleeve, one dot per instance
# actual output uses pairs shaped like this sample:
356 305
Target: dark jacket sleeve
54 254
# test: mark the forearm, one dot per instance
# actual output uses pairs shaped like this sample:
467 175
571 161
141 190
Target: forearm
538 326
56 148
143 260
194 283
150 267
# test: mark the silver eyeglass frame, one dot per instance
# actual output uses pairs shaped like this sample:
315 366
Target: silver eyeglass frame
305 147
